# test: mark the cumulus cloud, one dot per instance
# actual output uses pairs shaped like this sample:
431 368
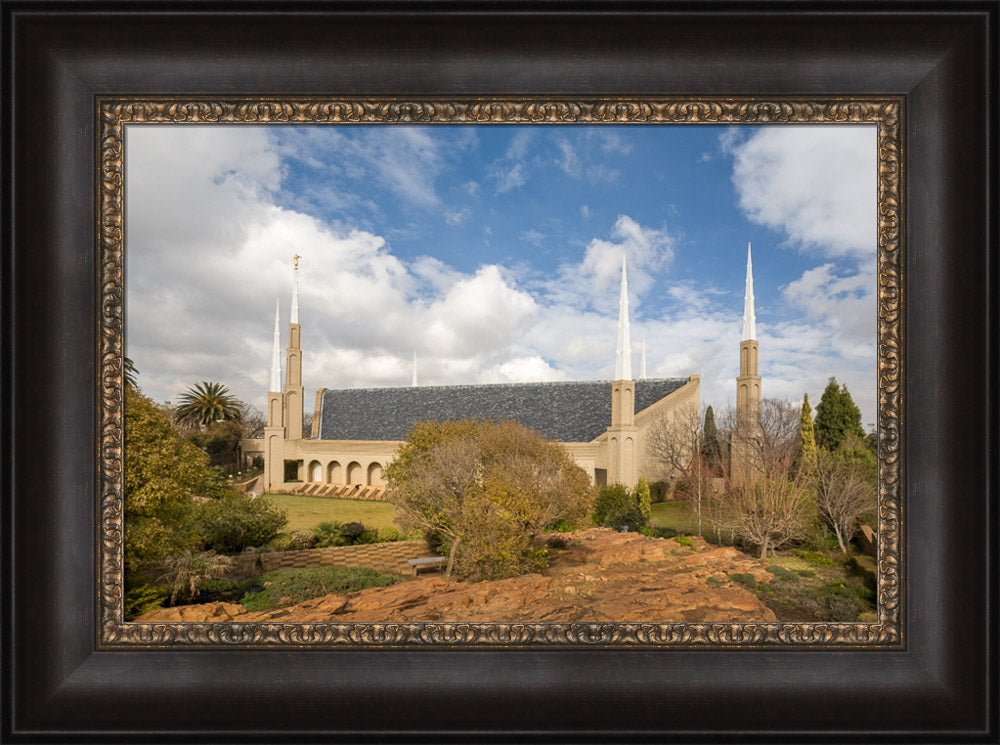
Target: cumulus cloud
590 282
522 370
210 235
817 184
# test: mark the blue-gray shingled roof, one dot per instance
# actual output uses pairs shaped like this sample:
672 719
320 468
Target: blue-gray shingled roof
566 412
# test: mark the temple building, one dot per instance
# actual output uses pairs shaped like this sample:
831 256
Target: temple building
356 432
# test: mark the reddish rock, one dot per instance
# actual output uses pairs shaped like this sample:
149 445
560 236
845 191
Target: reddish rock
600 576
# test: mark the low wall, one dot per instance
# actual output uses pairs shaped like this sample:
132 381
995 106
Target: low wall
385 557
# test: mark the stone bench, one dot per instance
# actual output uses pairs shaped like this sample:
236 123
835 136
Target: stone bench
427 564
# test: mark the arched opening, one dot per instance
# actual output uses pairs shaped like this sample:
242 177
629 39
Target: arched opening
315 471
334 473
354 473
375 475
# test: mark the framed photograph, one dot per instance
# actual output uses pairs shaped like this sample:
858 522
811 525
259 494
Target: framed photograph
860 148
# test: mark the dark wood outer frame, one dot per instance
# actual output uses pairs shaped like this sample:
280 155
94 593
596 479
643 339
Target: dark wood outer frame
58 686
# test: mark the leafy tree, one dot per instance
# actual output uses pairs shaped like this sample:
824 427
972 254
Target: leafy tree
234 522
217 437
710 449
805 456
207 402
175 503
485 490
837 416
162 472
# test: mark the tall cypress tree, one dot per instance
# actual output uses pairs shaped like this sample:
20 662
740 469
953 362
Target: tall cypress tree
807 453
710 440
837 416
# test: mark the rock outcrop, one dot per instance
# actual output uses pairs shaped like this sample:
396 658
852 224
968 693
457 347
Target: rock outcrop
600 576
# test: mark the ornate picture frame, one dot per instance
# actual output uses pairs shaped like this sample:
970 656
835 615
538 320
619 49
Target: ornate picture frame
73 671
885 113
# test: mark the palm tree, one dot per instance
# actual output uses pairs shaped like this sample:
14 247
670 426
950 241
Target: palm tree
131 374
207 402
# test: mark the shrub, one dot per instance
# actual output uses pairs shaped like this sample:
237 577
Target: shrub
281 542
223 590
658 491
642 499
746 580
814 557
144 598
685 540
182 574
389 534
301 539
616 508
234 522
781 573
297 585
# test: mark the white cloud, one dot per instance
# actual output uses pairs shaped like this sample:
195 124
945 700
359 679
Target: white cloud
568 161
522 370
509 177
591 281
208 250
815 183
458 216
534 237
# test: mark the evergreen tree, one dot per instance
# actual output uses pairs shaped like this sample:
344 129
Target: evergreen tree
710 448
837 416
805 456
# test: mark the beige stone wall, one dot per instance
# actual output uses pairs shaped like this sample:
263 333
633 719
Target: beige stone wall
684 402
363 462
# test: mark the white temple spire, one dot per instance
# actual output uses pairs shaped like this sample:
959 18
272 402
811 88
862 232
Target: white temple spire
295 291
749 318
276 354
414 383
642 363
623 357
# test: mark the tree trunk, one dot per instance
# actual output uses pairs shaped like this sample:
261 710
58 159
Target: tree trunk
763 548
451 557
699 512
840 538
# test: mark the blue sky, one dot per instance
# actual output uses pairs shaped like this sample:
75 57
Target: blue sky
494 252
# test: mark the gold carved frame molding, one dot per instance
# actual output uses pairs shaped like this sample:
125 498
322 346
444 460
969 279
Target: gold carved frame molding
886 113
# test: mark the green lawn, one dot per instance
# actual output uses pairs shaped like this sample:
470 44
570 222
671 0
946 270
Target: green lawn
676 515
305 513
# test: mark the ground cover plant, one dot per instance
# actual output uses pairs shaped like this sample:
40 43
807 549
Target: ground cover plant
286 587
